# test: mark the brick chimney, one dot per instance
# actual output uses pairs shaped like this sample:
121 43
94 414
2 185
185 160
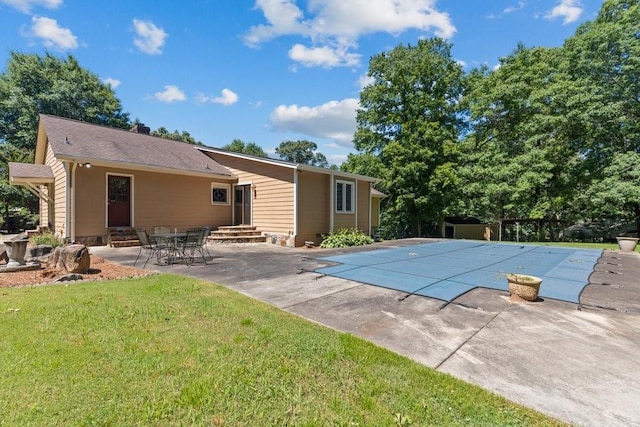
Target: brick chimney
140 128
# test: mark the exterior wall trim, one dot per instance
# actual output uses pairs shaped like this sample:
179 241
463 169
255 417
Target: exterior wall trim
296 188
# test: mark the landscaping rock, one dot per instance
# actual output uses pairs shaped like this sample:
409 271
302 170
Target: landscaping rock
71 277
38 251
71 258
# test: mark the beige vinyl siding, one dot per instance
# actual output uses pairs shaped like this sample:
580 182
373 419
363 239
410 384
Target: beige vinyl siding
313 207
364 199
345 220
44 207
272 188
59 195
158 199
375 213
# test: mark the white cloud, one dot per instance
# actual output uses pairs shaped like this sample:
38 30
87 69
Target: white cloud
170 94
337 159
25 6
150 38
334 26
365 80
227 97
114 83
335 120
53 35
322 56
569 10
511 9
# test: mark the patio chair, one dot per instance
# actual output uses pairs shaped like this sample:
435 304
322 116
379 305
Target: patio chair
206 232
146 244
193 243
161 243
160 229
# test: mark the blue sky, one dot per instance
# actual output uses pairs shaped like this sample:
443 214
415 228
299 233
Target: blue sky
266 71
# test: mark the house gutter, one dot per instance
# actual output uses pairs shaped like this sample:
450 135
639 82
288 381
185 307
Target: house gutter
69 168
370 201
332 196
295 201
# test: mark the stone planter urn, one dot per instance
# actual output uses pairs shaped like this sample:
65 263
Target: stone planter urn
524 286
627 244
16 248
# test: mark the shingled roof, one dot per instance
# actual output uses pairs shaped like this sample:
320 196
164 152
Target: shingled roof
90 143
27 172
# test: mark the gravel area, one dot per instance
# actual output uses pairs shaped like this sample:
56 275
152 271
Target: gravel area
100 269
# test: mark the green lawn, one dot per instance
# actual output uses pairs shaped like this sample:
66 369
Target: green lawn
169 350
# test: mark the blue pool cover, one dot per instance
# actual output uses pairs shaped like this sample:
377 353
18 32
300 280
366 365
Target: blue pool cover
446 270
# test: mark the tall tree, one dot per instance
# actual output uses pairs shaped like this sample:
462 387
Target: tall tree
603 59
410 119
251 148
34 84
517 162
615 198
183 136
303 152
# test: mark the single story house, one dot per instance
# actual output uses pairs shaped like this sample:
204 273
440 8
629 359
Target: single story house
91 178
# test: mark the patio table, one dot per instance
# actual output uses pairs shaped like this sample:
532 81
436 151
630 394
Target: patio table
171 243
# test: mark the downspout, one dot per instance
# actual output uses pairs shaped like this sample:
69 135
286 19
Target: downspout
67 191
295 202
356 206
331 200
73 202
370 202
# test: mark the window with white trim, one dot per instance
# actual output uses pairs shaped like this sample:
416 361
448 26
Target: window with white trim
220 193
344 196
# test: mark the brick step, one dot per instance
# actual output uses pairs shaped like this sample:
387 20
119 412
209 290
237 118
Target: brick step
239 233
124 243
122 237
236 239
237 228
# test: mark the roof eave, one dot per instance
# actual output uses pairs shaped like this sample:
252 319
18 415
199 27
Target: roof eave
289 165
145 168
326 171
30 180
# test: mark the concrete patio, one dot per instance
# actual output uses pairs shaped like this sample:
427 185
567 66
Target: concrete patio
579 364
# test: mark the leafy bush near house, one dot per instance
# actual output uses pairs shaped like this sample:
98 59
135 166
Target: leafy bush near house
345 237
19 219
46 239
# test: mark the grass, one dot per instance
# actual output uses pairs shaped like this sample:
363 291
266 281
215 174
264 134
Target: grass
169 350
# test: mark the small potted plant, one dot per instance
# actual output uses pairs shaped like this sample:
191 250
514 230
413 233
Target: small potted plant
524 286
627 243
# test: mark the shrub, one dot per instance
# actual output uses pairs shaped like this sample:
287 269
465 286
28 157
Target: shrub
345 237
46 239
